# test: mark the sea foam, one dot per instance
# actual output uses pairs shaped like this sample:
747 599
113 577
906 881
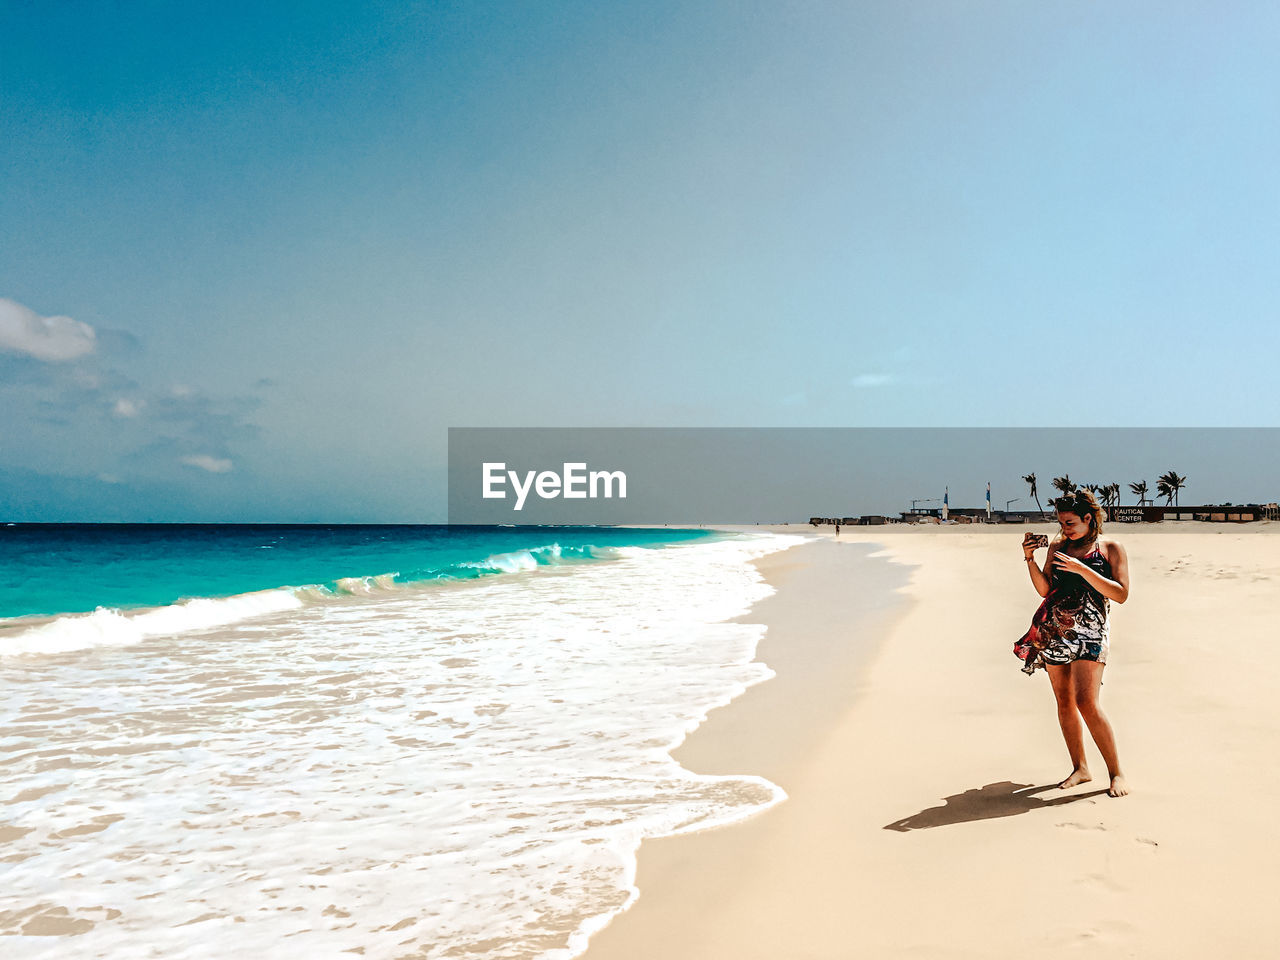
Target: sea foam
109 626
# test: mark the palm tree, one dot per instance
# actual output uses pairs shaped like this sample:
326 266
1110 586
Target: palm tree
1140 490
1164 490
1064 487
1172 483
1031 479
1112 490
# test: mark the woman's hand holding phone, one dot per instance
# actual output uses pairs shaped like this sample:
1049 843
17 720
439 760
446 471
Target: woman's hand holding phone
1031 542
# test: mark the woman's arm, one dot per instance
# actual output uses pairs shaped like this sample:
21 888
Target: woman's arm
1039 577
1117 588
1119 570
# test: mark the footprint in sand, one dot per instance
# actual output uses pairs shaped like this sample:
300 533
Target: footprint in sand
1107 883
1105 931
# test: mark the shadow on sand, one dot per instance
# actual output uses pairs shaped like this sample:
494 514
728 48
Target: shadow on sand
1003 799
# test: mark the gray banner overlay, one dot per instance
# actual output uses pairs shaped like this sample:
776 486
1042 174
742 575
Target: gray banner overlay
770 475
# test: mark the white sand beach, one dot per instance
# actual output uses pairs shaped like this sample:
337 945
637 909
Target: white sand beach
923 817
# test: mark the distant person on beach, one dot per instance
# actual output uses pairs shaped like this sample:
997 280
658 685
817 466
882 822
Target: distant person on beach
837 528
1069 633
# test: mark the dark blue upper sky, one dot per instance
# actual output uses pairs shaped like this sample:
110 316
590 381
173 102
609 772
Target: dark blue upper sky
255 259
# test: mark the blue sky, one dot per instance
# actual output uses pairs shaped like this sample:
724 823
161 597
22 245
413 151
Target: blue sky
255 260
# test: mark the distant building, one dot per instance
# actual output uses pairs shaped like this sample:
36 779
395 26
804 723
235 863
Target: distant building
863 521
963 514
1148 513
1211 513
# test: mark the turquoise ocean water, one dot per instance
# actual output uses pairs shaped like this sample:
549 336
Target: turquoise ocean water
51 569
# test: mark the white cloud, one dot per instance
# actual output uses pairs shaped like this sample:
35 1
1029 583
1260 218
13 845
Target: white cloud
872 379
127 408
53 339
206 462
181 390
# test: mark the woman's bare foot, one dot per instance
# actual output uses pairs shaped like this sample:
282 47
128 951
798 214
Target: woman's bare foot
1118 787
1078 776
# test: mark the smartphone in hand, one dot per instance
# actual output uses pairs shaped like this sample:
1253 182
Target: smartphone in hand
1036 540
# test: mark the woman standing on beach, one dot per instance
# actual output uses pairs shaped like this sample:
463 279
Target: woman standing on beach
1069 634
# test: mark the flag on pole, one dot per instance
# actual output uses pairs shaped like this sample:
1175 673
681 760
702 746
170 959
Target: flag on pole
945 510
988 499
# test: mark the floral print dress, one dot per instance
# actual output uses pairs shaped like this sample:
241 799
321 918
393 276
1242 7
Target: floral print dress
1071 623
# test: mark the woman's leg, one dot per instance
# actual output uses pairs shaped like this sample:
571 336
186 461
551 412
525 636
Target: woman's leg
1087 677
1061 679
